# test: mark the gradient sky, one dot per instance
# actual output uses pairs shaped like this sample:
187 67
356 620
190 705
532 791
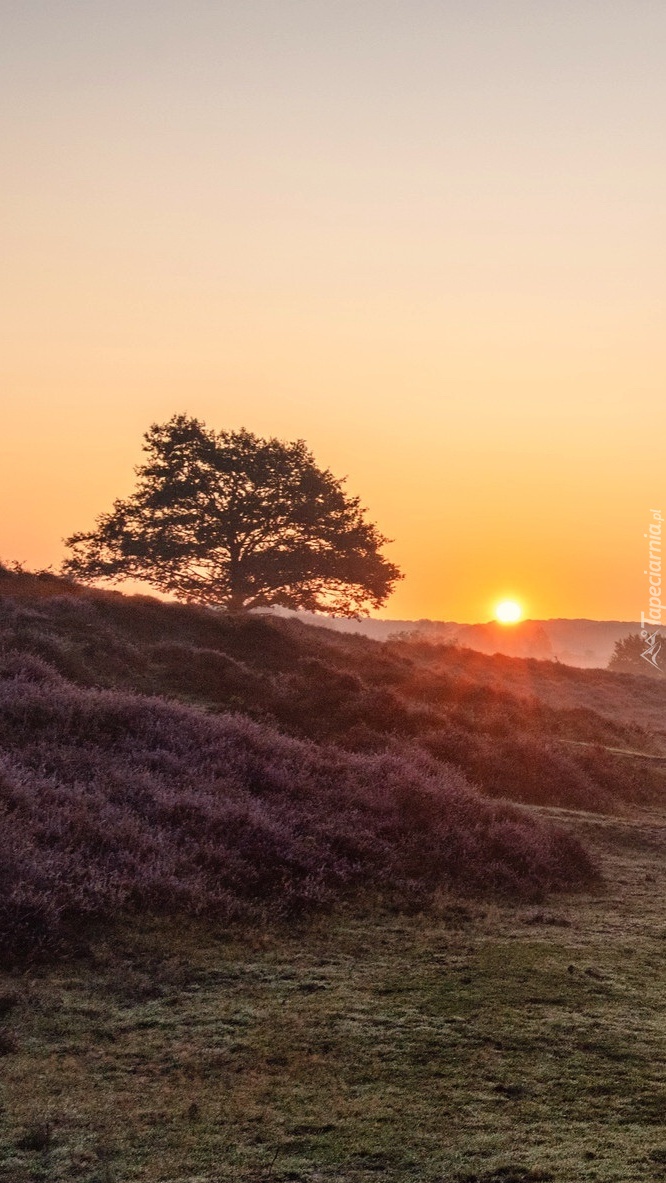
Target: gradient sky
426 236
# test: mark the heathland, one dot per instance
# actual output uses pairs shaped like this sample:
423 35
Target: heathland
284 903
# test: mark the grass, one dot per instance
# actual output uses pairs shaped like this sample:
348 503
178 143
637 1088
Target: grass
479 1042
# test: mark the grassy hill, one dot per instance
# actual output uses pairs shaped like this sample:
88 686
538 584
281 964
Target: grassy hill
531 731
118 796
295 944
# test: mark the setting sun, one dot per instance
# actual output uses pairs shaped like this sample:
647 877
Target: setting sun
508 612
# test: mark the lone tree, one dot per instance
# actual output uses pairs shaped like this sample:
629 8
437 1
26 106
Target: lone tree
627 656
229 519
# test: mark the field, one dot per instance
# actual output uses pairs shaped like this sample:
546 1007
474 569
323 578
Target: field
478 1042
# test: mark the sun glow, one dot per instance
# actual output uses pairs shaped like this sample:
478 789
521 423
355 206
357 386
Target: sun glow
508 612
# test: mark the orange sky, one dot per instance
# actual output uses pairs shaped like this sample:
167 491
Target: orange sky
424 235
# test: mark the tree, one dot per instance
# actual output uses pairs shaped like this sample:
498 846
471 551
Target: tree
229 519
636 654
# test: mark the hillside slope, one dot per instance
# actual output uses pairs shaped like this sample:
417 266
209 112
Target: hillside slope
532 731
114 801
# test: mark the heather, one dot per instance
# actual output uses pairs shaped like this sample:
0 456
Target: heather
532 731
116 802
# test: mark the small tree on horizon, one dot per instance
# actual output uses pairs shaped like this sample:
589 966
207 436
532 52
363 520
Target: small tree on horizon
627 656
229 519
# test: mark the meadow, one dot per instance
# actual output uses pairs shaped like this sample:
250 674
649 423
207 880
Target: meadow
475 1042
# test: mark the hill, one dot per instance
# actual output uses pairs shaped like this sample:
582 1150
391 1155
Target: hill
531 731
154 832
115 799
588 644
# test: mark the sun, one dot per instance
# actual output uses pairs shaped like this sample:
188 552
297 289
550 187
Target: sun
508 612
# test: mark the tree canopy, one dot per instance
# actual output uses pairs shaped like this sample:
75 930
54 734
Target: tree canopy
227 518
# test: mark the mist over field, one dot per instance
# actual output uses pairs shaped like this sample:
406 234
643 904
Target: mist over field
585 643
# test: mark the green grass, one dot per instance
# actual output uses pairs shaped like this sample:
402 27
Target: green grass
484 1042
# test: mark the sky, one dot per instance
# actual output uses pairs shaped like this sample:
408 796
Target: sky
426 236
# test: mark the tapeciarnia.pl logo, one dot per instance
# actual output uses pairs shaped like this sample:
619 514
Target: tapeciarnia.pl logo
653 639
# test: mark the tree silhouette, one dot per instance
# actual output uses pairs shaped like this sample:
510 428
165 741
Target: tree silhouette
229 519
627 656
